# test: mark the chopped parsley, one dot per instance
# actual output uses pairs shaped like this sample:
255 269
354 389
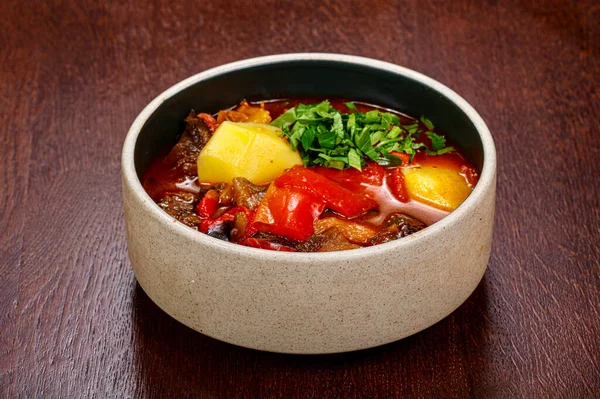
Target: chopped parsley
326 137
437 142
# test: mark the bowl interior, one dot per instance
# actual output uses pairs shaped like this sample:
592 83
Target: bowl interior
306 78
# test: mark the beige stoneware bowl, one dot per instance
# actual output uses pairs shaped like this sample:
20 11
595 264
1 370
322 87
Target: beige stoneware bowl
308 303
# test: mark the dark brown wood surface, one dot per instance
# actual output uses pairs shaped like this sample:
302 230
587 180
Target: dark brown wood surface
73 76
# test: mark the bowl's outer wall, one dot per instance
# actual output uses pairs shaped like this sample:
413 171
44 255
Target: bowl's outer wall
290 79
308 304
295 307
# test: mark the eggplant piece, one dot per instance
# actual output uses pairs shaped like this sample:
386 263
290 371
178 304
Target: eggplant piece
220 231
226 192
329 240
240 224
247 194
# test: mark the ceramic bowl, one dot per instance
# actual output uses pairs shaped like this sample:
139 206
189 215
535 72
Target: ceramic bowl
308 302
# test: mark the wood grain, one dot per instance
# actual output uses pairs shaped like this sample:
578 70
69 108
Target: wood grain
73 76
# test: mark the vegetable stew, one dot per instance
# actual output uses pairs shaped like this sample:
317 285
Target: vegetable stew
309 175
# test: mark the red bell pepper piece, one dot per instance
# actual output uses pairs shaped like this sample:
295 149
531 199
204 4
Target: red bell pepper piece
395 181
336 197
228 216
289 212
209 204
273 246
353 179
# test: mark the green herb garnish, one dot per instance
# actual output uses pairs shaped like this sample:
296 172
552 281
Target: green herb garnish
326 137
437 142
427 123
351 107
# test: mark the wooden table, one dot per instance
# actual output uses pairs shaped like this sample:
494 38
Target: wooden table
73 76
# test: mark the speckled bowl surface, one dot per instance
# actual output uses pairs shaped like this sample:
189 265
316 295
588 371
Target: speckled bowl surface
308 302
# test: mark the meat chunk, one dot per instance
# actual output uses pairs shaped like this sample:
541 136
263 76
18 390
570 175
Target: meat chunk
181 206
184 154
247 194
397 225
329 240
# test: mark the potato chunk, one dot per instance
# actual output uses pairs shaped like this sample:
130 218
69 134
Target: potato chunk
440 187
252 150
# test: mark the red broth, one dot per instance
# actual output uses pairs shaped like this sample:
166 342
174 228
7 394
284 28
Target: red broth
161 178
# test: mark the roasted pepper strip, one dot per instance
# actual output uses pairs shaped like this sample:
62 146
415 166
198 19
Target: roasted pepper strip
395 181
336 197
288 212
209 204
